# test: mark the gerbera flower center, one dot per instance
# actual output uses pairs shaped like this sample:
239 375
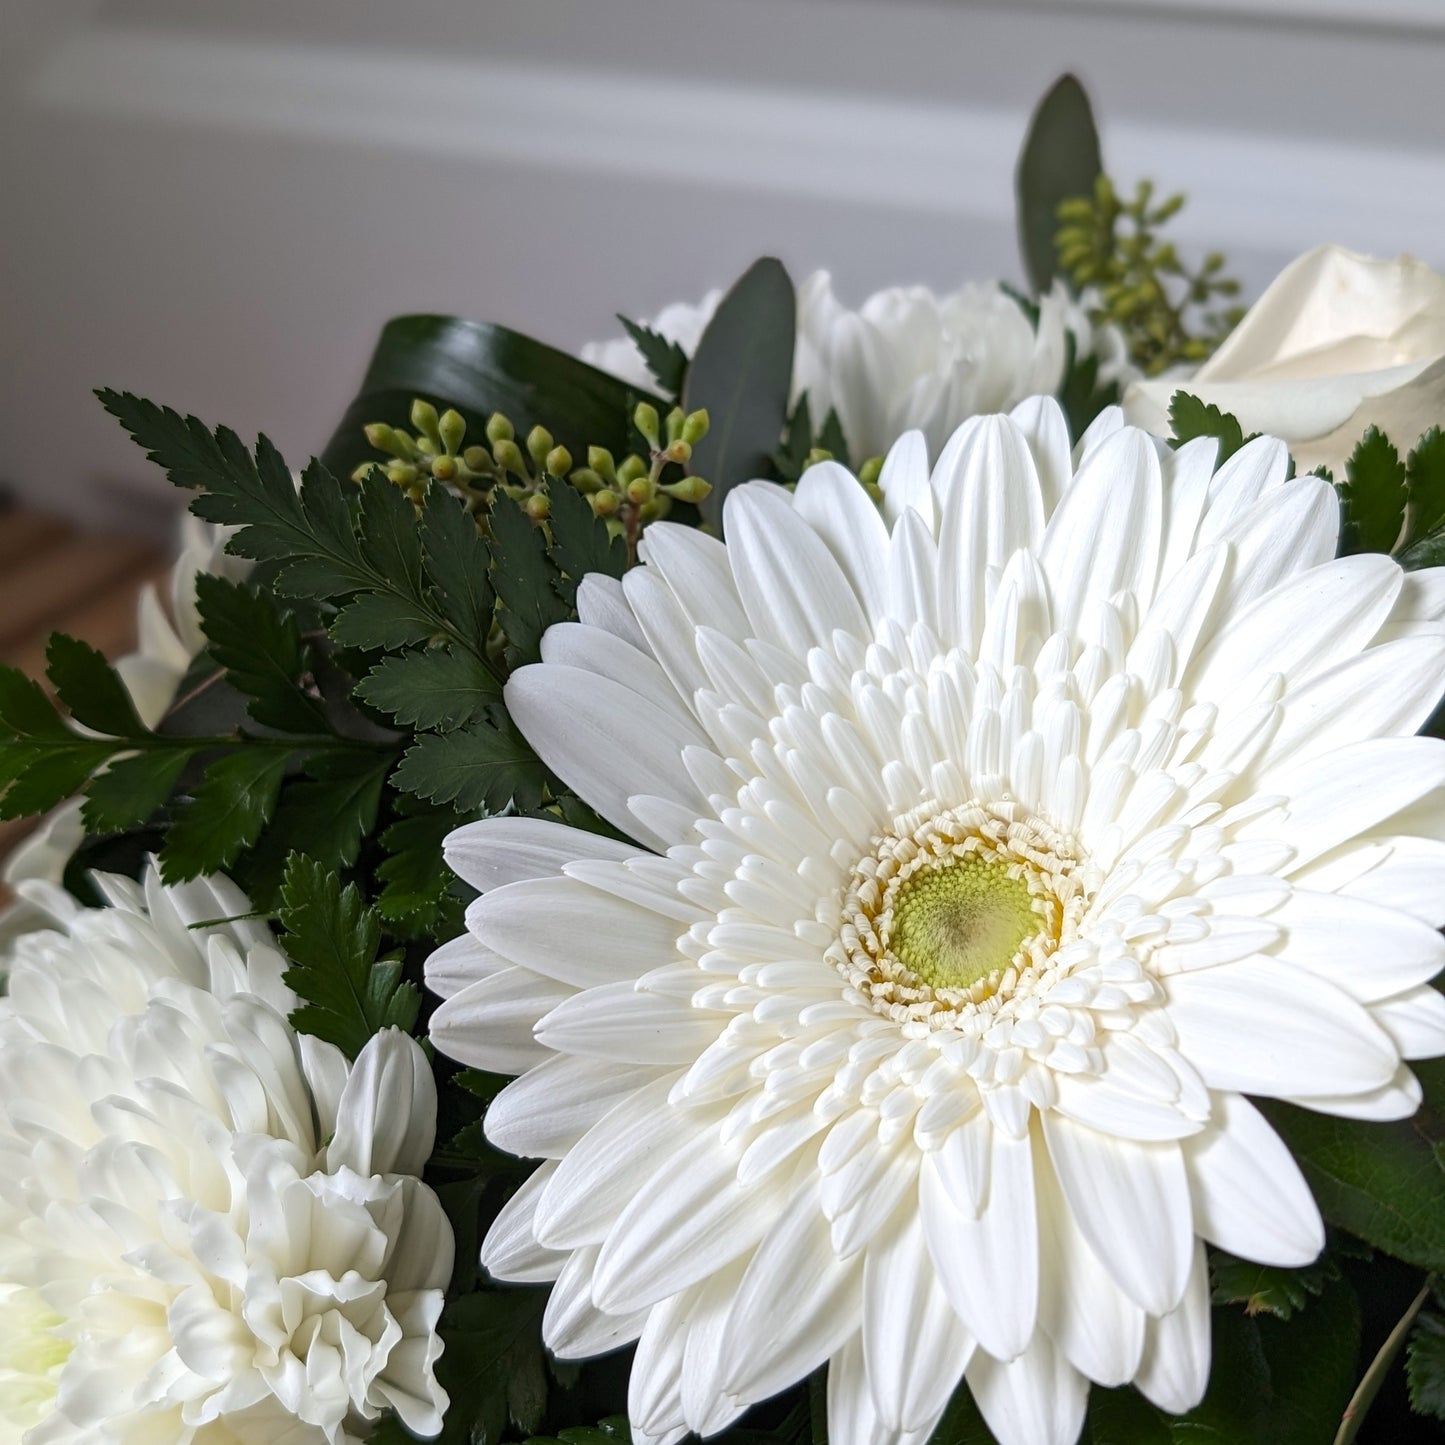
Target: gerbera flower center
961 922
954 908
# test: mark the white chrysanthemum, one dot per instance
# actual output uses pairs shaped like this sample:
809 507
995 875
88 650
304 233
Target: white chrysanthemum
1001 844
211 1229
907 358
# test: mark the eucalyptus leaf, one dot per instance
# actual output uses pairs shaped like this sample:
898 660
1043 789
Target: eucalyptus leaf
741 373
479 369
1060 160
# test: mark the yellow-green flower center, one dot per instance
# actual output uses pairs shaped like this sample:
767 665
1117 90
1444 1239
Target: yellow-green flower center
955 925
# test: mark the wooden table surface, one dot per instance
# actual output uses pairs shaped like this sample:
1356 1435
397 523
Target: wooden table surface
56 578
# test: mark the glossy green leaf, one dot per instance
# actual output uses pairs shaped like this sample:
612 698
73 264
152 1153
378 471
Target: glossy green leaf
479 369
1060 160
742 372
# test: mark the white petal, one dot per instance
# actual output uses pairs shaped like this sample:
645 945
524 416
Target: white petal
1340 794
1415 1022
386 1117
1267 1027
904 481
832 501
601 603
1364 949
578 723
1041 420
546 1112
989 1266
1286 532
992 508
619 1021
489 1025
794 593
1249 1195
1131 1202
572 1326
450 968
1098 1328
1104 537
510 1250
914 1345
1036 1399
794 1275
695 566
563 929
1175 1369
687 1219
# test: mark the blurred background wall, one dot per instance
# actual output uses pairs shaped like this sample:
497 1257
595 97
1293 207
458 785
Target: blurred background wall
218 204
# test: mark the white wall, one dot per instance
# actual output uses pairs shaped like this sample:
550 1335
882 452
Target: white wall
218 204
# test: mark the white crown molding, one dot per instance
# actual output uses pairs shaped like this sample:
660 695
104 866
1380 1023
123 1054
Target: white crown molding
1264 192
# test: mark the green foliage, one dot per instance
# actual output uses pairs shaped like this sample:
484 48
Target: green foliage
416 883
741 374
1372 497
485 765
1384 1182
225 814
581 542
1425 1359
434 688
665 359
347 993
133 789
1080 395
259 645
494 1368
479 369
90 688
1111 248
801 446
523 576
1267 1288
1190 418
1060 160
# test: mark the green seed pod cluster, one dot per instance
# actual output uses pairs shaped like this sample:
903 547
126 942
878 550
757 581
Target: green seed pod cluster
1167 312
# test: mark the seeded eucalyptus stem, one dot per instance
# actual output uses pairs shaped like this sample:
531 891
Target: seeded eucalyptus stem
1374 1377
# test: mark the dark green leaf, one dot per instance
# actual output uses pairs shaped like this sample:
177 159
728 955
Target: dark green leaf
437 688
496 1373
486 765
1425 1363
457 563
1372 496
227 811
87 684
1059 161
1276 1383
378 621
580 541
1080 394
742 372
1267 1288
414 873
131 790
832 440
524 578
479 369
327 814
792 453
25 711
1425 485
389 535
962 1424
42 774
261 649
347 993
665 359
1381 1181
1190 418
1124 1417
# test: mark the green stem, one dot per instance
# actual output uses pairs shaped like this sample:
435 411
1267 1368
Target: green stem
1374 1377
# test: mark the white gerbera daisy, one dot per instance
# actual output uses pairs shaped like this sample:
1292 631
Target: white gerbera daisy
1000 845
908 358
211 1232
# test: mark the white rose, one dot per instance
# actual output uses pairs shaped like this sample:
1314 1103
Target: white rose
1338 343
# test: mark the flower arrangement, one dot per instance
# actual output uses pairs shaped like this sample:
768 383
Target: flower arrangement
870 876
